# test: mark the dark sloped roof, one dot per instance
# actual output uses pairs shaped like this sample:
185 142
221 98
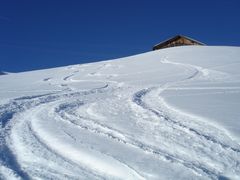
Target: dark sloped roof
178 37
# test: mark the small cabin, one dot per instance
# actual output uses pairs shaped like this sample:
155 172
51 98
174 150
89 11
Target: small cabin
178 40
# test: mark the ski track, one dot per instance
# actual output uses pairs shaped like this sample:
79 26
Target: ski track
24 137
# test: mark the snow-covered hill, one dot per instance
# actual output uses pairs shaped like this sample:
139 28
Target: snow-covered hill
168 114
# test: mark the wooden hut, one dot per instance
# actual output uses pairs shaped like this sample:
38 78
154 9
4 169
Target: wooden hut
178 40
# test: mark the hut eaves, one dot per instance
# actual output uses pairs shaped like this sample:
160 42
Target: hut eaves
172 42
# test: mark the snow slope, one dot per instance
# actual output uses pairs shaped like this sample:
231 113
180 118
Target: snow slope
168 114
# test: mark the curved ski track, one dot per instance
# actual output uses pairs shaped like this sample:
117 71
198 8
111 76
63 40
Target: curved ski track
68 135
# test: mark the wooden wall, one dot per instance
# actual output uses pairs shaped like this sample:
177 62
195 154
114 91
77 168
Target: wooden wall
178 42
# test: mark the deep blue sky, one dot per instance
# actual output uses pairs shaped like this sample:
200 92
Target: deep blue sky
36 34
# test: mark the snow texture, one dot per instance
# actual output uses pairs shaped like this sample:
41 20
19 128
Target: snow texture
167 114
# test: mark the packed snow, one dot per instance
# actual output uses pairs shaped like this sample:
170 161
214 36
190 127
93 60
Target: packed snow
167 114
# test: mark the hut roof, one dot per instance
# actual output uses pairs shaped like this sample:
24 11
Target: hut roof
178 37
